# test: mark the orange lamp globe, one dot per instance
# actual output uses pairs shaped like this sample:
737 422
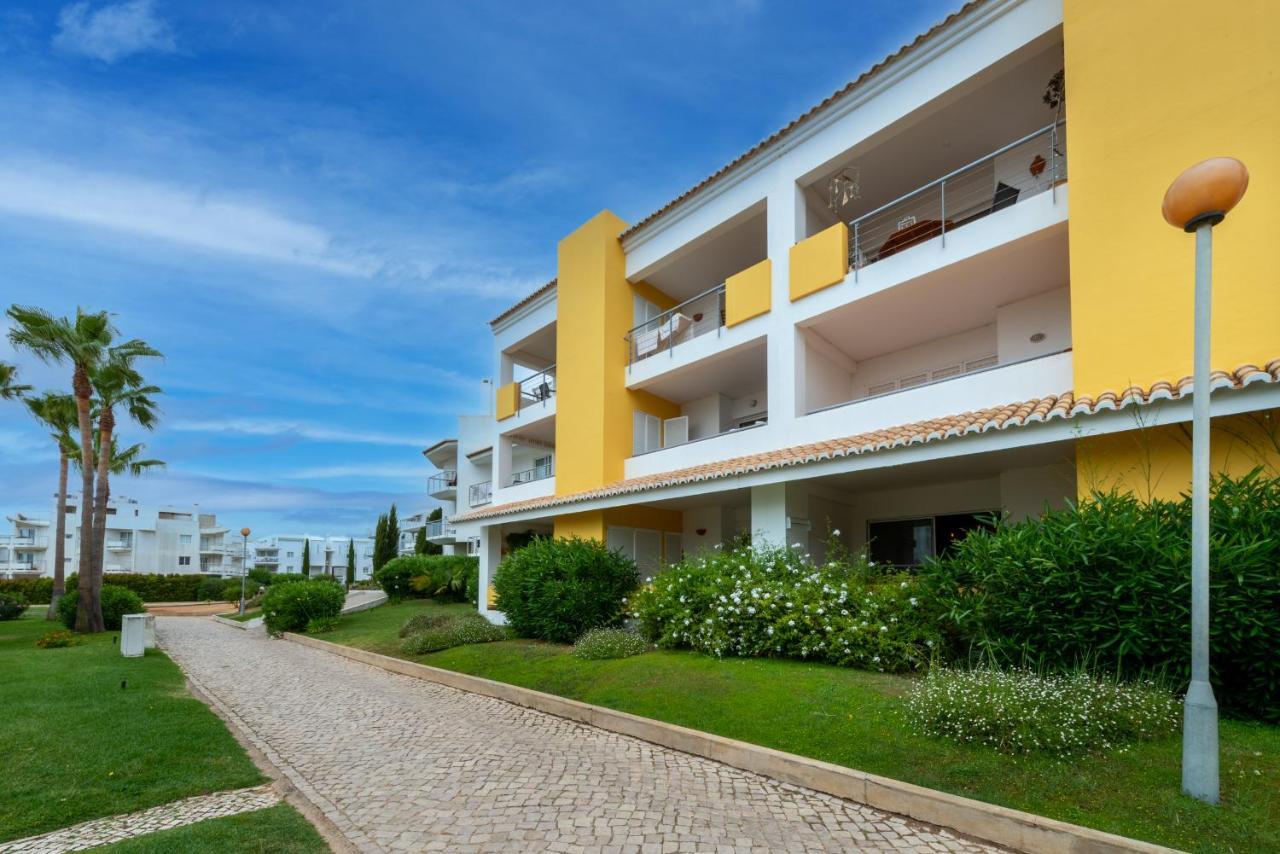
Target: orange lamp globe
244 532
1206 191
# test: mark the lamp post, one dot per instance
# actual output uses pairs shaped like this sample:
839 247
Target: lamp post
1196 201
244 565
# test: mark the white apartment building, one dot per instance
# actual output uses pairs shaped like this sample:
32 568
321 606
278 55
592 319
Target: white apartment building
140 538
283 553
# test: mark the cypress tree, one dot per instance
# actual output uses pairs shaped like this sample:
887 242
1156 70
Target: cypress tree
393 533
351 561
420 543
380 543
306 558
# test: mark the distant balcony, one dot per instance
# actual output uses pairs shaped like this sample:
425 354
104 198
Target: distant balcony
440 531
689 320
480 493
443 485
538 389
536 473
1034 164
119 545
30 542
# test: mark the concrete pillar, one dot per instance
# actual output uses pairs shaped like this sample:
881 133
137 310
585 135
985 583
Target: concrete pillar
786 226
490 557
769 515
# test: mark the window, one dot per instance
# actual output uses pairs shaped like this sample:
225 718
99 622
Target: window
909 542
646 432
288 554
184 539
185 560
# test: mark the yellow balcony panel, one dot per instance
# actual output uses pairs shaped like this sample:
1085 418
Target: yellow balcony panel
748 294
820 261
508 400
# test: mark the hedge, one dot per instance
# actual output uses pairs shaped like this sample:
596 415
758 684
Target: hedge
34 590
116 601
452 578
152 587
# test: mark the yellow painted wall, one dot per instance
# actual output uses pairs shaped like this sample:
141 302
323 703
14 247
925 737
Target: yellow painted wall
1154 86
747 294
1156 462
820 261
650 518
508 400
659 298
586 526
594 312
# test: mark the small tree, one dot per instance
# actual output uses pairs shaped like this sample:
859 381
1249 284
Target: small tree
393 533
306 557
351 561
380 543
423 545
420 543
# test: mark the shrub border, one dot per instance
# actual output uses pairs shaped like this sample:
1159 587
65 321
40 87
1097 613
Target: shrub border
1015 829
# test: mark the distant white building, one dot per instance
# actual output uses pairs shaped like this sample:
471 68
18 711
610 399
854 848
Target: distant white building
140 539
283 553
409 527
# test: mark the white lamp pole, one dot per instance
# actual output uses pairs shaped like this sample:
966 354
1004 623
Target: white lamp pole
244 565
1196 201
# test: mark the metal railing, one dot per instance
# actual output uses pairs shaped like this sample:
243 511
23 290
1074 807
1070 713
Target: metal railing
439 528
1025 167
480 493
538 388
29 542
120 544
690 319
443 482
541 472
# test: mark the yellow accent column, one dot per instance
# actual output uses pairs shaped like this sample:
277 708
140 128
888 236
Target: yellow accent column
746 294
820 261
508 400
1131 274
586 526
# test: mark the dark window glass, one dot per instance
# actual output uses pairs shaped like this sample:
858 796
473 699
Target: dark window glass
952 529
901 542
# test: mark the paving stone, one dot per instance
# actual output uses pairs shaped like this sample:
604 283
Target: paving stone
403 764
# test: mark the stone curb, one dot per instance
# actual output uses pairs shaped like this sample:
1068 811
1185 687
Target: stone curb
236 624
1011 828
364 606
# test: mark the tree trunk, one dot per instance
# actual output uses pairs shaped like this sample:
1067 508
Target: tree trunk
106 429
60 544
89 611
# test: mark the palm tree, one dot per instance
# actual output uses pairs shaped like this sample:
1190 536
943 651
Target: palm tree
83 342
58 413
127 461
118 384
9 388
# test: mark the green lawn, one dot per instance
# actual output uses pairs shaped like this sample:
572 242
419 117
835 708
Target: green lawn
854 718
249 614
86 733
278 830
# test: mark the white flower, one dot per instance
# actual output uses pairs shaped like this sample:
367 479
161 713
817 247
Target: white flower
791 622
884 628
914 601
836 532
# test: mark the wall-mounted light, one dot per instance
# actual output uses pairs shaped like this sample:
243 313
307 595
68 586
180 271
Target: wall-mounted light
1038 337
701 532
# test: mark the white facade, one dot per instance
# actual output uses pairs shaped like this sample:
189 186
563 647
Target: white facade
140 539
283 553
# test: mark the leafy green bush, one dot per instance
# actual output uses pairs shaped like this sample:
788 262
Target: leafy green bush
395 575
448 578
32 589
262 575
421 622
58 639
597 644
231 590
1018 711
12 605
151 587
556 589
210 589
287 578
320 625
1107 582
290 607
453 631
116 601
751 601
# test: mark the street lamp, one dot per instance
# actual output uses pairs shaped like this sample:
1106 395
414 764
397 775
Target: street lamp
244 565
1196 201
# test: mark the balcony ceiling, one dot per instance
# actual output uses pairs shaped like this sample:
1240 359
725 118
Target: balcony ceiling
952 299
737 372
714 257
536 352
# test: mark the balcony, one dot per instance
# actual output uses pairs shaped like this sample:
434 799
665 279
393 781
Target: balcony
537 390
119 545
529 475
443 485
1013 173
32 542
440 531
480 493
690 319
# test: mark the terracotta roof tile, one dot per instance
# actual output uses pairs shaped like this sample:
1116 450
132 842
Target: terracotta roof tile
813 113
528 299
1016 414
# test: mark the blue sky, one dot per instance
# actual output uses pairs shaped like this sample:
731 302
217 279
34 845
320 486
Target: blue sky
313 208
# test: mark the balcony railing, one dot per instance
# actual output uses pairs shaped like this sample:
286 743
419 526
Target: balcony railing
690 319
442 483
30 542
541 472
119 544
538 389
480 493
1011 174
438 529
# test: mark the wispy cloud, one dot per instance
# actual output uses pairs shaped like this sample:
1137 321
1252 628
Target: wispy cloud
179 213
394 471
297 429
114 31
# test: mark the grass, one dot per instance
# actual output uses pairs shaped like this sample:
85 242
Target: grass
856 719
249 614
77 745
277 830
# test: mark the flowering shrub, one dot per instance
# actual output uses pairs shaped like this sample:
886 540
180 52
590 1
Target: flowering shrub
751 601
451 632
419 623
1018 711
58 639
598 644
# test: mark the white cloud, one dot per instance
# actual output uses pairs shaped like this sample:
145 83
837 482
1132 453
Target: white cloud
181 214
114 31
298 429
